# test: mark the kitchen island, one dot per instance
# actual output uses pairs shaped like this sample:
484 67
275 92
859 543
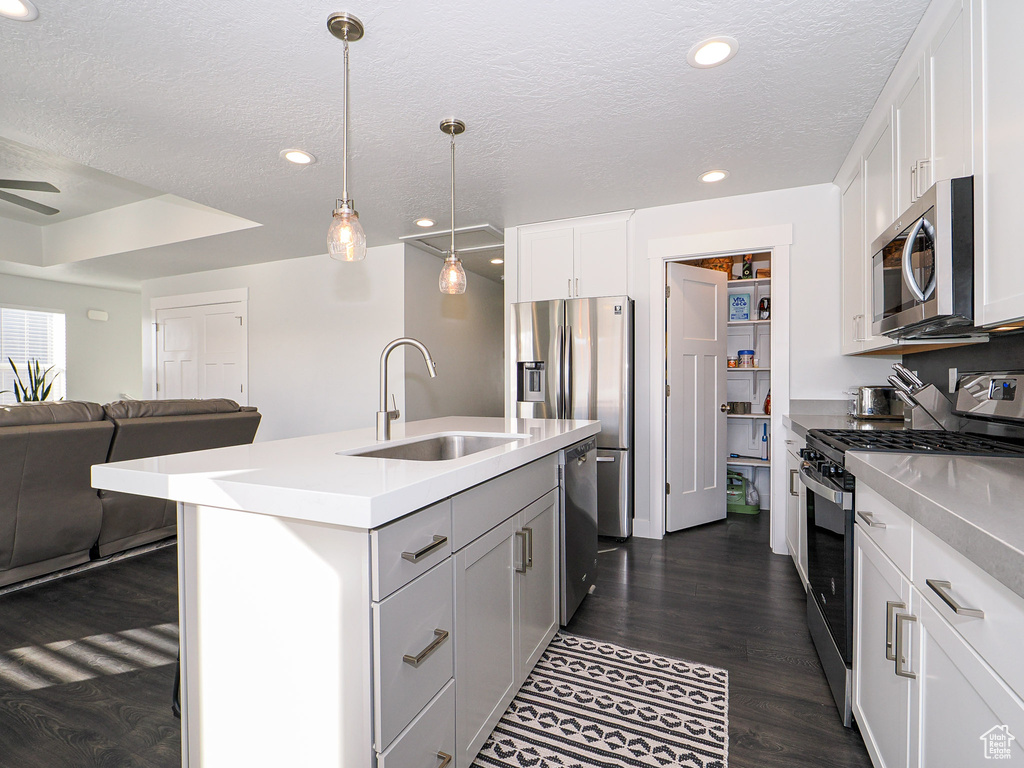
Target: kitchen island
332 604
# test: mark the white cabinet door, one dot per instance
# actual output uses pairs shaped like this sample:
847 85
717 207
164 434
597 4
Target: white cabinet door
881 698
793 508
546 256
998 161
855 322
966 712
912 164
878 186
536 581
949 96
485 667
601 262
796 516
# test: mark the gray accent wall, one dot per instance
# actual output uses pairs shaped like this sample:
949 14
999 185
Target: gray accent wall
465 337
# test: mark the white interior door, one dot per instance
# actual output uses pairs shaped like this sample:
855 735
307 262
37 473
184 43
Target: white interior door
695 313
177 352
202 351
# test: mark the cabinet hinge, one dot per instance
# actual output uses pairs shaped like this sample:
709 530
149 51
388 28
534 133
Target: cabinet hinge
668 291
158 386
668 488
241 387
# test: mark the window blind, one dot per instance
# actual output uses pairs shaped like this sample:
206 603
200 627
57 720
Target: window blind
26 335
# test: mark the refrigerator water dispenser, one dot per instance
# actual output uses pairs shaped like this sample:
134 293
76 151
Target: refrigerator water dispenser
531 382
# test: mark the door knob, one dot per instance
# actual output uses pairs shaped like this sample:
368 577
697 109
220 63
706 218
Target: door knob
723 408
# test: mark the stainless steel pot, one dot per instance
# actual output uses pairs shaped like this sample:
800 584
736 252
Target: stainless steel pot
875 403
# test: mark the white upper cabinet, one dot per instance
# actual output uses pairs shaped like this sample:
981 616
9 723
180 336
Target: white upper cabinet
854 255
546 262
998 110
574 258
949 97
912 159
878 184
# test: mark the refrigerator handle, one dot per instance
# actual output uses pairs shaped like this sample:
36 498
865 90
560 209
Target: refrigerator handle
560 389
568 373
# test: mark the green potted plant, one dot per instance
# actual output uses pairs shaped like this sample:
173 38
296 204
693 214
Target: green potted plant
37 389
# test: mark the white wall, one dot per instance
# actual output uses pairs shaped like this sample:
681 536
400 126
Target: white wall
316 331
104 358
464 335
817 369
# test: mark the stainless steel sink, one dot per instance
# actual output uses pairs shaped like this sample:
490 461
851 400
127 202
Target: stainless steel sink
437 448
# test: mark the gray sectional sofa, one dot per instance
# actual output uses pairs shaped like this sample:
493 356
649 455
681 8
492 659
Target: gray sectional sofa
50 515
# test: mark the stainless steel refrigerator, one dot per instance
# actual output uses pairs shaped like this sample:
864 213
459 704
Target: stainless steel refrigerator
573 359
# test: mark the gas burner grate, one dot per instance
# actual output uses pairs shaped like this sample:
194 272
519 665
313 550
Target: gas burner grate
917 441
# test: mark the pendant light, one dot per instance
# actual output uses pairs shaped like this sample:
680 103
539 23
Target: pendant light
346 240
453 276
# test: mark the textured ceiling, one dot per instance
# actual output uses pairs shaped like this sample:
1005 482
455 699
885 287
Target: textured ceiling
572 107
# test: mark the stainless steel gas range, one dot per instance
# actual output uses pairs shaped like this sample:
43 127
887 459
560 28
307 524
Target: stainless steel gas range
992 407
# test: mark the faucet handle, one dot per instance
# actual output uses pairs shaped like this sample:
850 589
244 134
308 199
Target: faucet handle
394 413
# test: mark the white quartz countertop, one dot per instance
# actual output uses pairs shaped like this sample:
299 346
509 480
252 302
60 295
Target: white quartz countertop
976 505
305 478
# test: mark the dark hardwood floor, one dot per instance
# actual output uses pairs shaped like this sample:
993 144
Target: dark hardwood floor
87 668
87 662
717 595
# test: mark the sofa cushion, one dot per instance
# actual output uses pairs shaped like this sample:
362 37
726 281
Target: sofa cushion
63 412
136 409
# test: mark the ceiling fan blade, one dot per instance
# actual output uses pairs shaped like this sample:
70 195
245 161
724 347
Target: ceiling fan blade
30 186
30 204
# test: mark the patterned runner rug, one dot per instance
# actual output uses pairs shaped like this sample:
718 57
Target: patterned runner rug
589 703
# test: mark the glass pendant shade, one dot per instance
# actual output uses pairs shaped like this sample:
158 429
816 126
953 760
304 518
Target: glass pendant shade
346 240
453 276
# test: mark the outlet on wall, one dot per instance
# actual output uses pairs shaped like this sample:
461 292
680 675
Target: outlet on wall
952 380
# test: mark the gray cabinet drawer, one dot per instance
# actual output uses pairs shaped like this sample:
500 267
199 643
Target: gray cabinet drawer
430 738
415 621
402 550
476 511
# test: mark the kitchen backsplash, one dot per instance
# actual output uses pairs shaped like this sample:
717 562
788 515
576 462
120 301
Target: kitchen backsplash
1002 353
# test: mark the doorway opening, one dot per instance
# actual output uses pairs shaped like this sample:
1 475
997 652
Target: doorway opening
718 374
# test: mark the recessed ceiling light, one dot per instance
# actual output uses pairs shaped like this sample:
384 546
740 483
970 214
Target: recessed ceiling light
709 177
297 156
19 10
712 52
497 261
424 222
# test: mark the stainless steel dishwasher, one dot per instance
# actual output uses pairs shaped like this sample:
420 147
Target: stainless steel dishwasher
577 470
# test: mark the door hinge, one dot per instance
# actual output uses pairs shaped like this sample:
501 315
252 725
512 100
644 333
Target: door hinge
241 387
668 390
668 488
668 291
158 386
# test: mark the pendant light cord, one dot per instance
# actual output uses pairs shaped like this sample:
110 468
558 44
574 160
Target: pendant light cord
453 195
344 139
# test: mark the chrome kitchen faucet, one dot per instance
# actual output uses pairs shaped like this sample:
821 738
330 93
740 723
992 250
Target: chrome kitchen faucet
384 416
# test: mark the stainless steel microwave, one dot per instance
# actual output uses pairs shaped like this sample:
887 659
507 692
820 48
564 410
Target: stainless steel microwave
922 267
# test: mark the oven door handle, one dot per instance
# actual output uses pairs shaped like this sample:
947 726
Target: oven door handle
837 497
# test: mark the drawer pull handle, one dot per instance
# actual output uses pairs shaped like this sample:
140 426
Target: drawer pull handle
415 557
603 459
445 759
793 475
940 587
890 612
529 546
523 557
869 518
440 635
901 657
